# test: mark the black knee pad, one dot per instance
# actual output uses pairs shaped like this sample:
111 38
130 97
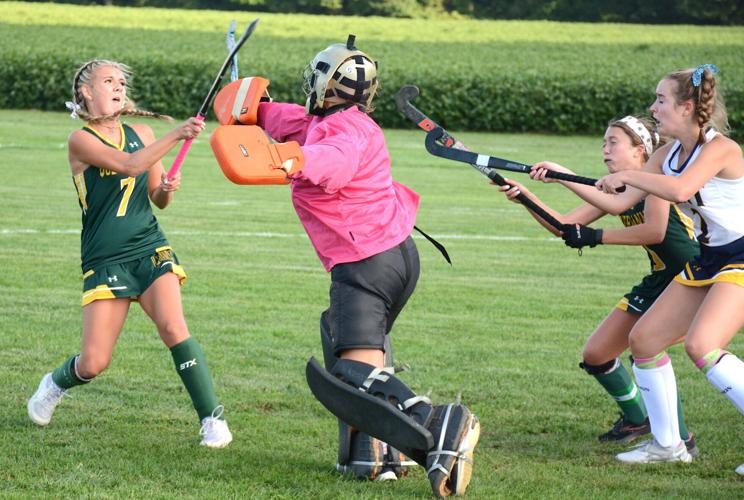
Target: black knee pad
599 369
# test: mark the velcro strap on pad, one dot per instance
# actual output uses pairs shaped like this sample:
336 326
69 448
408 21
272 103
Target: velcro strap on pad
237 102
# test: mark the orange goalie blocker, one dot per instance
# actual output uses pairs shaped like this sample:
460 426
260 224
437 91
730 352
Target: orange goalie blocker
248 156
237 102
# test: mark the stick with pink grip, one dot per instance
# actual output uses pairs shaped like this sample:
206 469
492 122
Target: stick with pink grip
204 109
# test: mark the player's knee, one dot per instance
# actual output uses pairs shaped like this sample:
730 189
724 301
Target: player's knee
638 341
173 332
697 346
591 355
91 366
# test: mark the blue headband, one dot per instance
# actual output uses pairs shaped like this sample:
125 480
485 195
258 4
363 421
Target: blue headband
698 73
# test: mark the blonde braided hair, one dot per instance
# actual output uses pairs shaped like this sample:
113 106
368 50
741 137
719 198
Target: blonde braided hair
84 76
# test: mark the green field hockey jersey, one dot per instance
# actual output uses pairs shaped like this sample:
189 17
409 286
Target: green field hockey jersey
118 223
679 244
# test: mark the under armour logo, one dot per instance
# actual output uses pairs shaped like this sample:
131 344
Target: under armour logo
133 144
113 278
639 300
187 364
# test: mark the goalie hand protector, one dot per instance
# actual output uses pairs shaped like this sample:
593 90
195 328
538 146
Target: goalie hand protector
248 156
237 102
578 236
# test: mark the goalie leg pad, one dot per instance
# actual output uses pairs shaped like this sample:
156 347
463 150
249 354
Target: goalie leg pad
237 102
373 415
246 155
449 464
359 454
394 459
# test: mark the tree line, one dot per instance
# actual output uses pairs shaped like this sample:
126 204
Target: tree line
714 12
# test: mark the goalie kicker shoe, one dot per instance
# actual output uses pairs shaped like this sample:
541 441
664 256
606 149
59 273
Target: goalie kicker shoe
214 430
652 452
450 463
46 398
368 458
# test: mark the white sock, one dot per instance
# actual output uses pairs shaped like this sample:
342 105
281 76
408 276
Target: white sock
728 377
659 390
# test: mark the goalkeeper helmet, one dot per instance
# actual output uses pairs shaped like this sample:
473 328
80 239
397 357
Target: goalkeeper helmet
340 74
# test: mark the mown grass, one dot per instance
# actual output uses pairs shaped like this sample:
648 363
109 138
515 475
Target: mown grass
504 325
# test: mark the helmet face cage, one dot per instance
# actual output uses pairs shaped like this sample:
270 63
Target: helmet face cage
339 75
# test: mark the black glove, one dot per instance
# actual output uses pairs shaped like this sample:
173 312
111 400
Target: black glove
578 236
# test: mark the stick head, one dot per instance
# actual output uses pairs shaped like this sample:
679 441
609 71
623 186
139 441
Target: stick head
405 95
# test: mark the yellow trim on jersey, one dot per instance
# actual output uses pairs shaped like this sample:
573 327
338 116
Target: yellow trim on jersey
732 273
82 190
90 272
105 139
623 304
99 292
688 223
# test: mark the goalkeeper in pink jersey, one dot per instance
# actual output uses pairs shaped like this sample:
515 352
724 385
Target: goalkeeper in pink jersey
359 221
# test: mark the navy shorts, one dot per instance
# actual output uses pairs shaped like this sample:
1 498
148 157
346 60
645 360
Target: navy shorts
367 296
722 264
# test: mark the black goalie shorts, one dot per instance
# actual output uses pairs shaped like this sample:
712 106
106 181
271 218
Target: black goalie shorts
367 296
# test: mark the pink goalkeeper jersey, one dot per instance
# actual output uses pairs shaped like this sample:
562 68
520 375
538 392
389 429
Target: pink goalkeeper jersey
345 195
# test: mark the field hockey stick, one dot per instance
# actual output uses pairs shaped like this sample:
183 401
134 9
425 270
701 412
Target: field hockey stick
403 102
488 161
231 45
202 113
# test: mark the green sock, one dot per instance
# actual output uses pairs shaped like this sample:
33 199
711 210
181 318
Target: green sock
620 386
65 375
191 365
684 433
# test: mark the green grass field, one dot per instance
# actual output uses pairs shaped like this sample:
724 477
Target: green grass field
504 325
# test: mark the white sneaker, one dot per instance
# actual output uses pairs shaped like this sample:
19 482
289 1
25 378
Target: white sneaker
388 475
740 470
650 452
46 398
214 431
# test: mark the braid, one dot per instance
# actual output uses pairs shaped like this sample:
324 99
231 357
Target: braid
710 108
129 111
706 102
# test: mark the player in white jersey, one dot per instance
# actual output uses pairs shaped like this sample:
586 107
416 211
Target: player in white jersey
703 171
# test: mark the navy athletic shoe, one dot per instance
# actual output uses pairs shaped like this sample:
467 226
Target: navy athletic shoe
625 432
